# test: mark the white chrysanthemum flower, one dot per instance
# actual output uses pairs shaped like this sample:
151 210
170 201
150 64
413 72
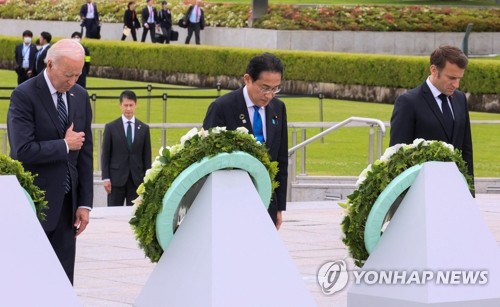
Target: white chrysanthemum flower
418 141
389 152
242 130
156 164
362 176
175 149
203 133
449 146
217 130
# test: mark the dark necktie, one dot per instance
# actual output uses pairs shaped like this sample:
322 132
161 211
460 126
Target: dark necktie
129 134
62 114
448 117
257 125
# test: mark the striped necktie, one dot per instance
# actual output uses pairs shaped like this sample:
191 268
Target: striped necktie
62 114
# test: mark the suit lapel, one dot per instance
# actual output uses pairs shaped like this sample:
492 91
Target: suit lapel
271 122
70 98
48 103
241 116
431 102
457 113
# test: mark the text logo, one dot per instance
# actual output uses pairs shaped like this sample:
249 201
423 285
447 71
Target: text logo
332 276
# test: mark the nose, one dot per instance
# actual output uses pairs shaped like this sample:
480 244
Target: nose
456 83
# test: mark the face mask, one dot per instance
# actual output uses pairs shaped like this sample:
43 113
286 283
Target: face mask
77 39
27 40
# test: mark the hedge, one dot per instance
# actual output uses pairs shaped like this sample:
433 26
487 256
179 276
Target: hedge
481 77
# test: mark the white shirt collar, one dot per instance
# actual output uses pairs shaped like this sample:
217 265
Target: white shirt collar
248 101
125 120
434 90
52 89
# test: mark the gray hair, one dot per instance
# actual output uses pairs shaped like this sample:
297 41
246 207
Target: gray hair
65 48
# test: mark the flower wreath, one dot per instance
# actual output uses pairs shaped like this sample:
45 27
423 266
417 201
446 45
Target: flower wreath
9 166
377 176
172 161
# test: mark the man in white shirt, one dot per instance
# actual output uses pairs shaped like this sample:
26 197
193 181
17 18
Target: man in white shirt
149 21
90 19
25 58
195 18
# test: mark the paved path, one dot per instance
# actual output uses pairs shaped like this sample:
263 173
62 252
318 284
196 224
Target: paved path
111 270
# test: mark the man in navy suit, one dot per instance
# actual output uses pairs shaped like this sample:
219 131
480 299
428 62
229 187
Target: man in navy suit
40 64
149 20
90 19
25 58
126 153
49 126
436 110
256 103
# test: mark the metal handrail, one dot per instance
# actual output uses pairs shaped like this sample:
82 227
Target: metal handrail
368 121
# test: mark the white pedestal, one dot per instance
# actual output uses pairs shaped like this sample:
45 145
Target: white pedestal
437 227
30 272
226 252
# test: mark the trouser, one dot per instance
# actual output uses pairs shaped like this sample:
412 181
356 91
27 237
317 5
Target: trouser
119 194
152 32
90 28
166 34
63 240
193 27
22 76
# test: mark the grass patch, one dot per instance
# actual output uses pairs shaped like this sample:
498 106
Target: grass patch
343 152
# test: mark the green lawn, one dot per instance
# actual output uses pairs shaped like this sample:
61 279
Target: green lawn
377 2
344 152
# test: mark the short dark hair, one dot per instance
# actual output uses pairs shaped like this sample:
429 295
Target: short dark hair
128 95
448 53
47 36
76 34
27 33
163 2
129 4
266 62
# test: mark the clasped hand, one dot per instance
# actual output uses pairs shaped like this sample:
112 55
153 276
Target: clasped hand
74 139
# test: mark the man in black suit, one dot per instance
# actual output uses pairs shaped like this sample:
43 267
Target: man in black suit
149 20
90 19
45 38
25 58
126 153
256 108
49 126
195 20
165 21
436 110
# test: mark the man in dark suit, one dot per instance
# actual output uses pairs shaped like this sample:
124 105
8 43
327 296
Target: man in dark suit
436 110
126 153
45 38
90 19
49 126
25 58
195 20
149 20
256 108
82 80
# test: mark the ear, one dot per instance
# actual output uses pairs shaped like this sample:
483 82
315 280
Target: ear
247 79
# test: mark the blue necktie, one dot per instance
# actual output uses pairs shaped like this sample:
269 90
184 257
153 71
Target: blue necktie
257 125
448 117
129 134
62 114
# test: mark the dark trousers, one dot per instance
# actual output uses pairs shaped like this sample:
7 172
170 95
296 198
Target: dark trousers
166 34
63 240
119 194
193 27
21 76
152 32
90 28
133 33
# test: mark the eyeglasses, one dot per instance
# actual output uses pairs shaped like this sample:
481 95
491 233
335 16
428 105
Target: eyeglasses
267 90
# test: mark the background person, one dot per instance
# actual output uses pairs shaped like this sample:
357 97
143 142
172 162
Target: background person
130 21
82 80
195 18
165 20
126 153
149 20
25 55
90 19
48 123
256 108
436 110
45 38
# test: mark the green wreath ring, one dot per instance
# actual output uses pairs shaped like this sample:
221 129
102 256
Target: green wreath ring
166 219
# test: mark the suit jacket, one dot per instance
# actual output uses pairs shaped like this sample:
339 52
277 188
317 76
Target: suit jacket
202 17
130 19
40 60
230 110
417 115
117 160
19 57
84 10
37 141
145 15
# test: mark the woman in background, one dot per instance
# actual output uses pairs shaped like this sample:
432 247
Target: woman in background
131 22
